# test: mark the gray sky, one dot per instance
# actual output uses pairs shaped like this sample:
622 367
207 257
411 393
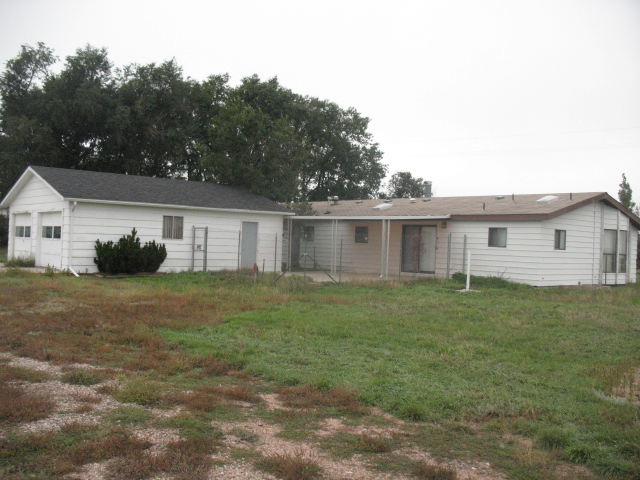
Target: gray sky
478 96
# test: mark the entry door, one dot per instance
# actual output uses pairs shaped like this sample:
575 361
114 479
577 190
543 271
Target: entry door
249 251
50 240
419 248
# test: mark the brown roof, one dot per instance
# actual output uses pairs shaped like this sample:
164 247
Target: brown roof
492 208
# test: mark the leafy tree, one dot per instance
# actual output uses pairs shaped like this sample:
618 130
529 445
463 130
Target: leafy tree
404 185
151 120
625 195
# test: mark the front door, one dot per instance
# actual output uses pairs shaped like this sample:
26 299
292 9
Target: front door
249 251
419 248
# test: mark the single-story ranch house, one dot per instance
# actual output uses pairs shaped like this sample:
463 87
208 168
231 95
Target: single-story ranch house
56 215
540 240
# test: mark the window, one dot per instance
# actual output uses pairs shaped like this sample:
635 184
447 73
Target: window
362 234
27 232
47 232
622 252
308 234
19 231
57 232
498 237
172 227
611 241
561 240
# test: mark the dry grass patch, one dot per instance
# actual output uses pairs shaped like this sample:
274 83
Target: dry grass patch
298 464
18 405
424 471
309 397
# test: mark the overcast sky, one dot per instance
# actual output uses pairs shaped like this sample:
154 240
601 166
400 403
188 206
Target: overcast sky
478 96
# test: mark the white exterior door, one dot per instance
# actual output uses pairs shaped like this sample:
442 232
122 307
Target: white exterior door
50 240
249 251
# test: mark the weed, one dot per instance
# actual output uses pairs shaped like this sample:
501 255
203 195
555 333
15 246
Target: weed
425 471
141 391
373 444
21 262
296 465
129 415
79 376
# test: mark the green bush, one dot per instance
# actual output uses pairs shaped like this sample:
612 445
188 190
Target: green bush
4 231
129 256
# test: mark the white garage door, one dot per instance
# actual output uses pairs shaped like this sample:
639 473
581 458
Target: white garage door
50 240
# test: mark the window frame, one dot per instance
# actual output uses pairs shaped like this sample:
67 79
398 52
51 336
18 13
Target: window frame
362 234
173 227
494 236
308 233
560 240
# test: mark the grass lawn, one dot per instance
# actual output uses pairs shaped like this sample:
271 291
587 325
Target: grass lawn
3 254
530 380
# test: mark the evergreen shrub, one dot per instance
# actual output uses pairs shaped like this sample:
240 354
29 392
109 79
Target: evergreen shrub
129 256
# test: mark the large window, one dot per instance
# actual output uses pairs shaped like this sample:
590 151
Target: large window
498 237
172 227
561 240
362 234
609 252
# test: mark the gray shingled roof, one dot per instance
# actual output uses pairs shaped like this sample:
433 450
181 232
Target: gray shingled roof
85 185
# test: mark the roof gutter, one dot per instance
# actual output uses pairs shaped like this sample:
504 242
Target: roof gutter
372 218
186 207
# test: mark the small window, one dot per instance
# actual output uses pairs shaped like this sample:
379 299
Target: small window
57 232
172 227
19 231
498 237
362 234
47 232
622 252
27 232
561 240
308 234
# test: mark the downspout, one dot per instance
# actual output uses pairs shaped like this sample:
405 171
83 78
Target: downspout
601 243
617 266
386 269
71 224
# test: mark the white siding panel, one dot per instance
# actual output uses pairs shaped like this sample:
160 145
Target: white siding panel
93 221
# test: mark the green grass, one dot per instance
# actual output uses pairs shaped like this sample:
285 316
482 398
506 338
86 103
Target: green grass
525 360
526 379
3 254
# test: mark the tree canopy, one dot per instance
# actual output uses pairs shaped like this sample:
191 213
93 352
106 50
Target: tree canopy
625 195
151 120
405 185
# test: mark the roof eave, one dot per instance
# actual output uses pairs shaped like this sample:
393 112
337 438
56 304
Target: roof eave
186 207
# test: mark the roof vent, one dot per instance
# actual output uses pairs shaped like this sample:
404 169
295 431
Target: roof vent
426 199
500 197
359 201
388 200
412 200
383 206
547 199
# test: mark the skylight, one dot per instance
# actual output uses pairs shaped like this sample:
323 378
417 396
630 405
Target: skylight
548 199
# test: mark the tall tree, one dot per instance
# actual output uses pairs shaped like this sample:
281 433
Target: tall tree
151 120
25 135
405 185
625 194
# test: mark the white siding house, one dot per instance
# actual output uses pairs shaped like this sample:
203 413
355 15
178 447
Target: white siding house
540 240
56 216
